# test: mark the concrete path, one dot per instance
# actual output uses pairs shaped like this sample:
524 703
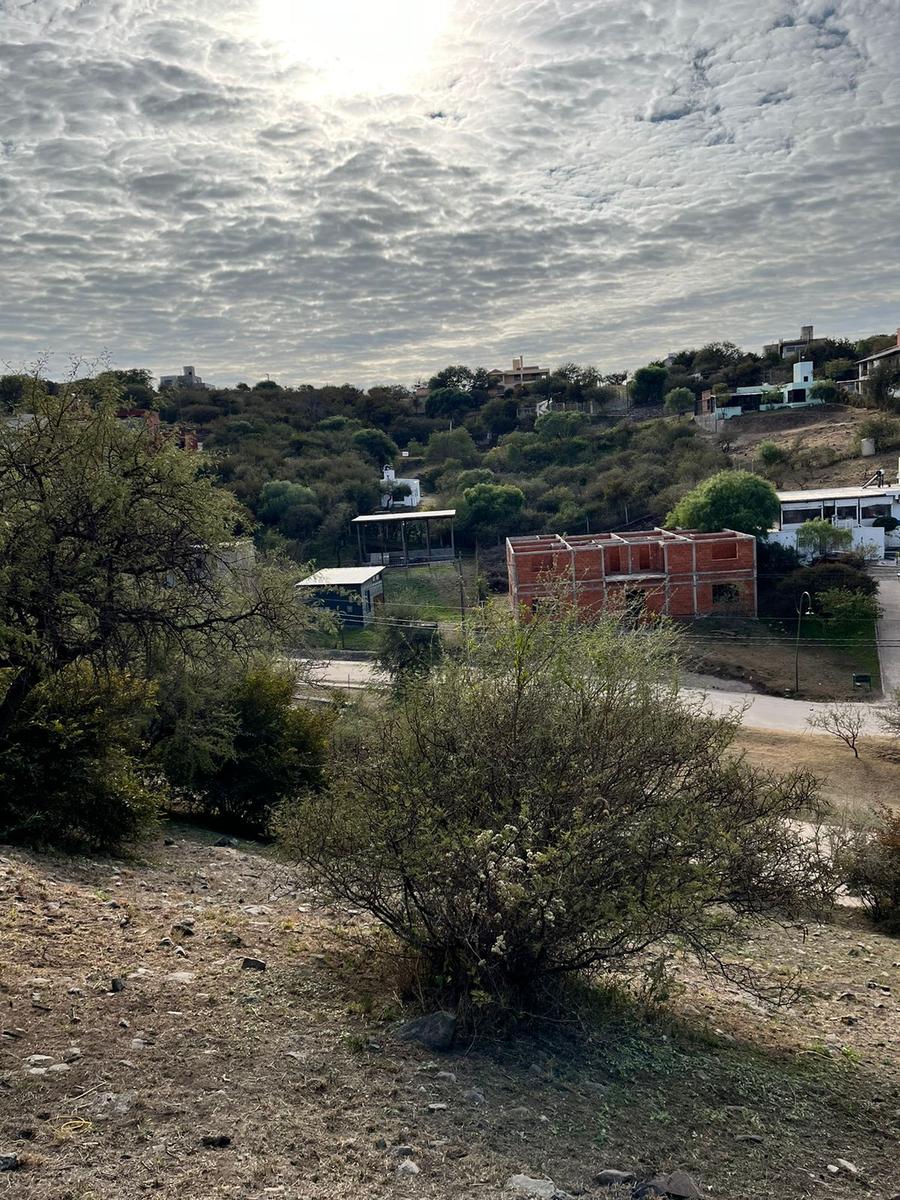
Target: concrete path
888 628
759 712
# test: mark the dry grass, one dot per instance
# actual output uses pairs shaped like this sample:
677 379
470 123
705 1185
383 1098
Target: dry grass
853 787
298 1067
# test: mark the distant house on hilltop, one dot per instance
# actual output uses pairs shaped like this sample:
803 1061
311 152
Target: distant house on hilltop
519 375
884 358
187 379
793 347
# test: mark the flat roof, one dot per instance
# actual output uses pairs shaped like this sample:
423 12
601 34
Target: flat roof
838 493
584 541
340 576
428 515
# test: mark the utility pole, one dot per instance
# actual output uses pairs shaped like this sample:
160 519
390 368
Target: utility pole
800 614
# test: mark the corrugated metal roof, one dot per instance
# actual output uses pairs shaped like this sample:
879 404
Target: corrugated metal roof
427 515
839 493
341 577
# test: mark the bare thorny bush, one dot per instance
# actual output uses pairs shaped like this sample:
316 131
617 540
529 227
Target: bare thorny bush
548 803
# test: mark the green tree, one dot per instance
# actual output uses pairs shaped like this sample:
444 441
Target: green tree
491 509
596 816
770 454
376 446
118 551
648 385
680 400
393 490
882 387
820 538
458 378
824 391
406 647
728 500
840 368
447 402
235 744
291 507
452 443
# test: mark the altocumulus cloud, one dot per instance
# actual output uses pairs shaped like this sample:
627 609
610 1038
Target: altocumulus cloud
591 179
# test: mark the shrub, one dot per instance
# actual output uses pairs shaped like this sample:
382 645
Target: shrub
818 579
236 746
547 802
770 454
871 867
70 773
406 647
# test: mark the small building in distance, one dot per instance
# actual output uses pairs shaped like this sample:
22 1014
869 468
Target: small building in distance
854 508
680 573
355 593
889 357
187 379
501 380
794 347
759 398
413 500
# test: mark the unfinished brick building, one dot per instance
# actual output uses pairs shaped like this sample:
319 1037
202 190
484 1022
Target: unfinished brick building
683 574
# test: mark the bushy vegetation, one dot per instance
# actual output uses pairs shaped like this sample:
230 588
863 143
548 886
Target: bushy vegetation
728 500
871 866
547 803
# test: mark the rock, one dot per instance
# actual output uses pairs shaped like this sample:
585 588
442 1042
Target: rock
39 1060
540 1189
180 952
231 938
403 1151
407 1167
253 964
10 1162
165 941
609 1177
832 1169
118 984
847 1167
749 1137
216 1141
72 1054
650 1189
181 976
436 1108
185 928
436 1031
849 997
74 991
446 1076
59 1068
849 1021
37 1071
678 1183
474 1096
226 841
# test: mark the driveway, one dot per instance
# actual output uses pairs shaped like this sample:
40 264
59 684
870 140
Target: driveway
760 712
888 628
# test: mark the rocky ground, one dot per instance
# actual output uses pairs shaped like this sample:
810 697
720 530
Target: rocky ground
193 1025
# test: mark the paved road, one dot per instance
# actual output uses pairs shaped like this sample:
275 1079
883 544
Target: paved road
761 712
888 628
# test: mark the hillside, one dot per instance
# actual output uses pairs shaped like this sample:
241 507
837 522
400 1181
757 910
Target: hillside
821 443
200 1078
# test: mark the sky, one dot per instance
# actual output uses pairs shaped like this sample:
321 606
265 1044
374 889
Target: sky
367 190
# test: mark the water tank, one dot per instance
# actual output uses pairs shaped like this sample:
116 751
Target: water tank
867 447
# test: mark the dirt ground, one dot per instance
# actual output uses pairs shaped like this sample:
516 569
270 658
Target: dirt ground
853 787
202 1078
800 431
761 653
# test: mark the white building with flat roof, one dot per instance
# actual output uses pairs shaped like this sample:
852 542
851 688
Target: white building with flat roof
187 379
853 508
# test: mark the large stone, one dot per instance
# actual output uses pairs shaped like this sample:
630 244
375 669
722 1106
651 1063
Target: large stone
610 1177
10 1162
540 1189
436 1031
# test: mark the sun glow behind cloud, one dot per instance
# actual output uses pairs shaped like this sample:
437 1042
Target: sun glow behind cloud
357 47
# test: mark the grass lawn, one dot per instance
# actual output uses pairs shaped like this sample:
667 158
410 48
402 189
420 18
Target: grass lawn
762 653
432 591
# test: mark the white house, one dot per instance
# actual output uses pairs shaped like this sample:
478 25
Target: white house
187 379
761 397
853 508
415 491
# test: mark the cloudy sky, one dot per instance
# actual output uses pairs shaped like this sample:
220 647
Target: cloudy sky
365 190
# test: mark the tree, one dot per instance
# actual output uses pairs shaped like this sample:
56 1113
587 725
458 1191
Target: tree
376 446
844 721
728 500
235 744
648 386
291 507
680 400
406 647
393 490
596 816
452 444
820 538
117 552
848 610
839 368
458 378
448 402
500 416
881 387
491 509
824 391
871 868
770 454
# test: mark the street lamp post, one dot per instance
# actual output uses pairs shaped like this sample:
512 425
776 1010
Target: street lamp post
800 615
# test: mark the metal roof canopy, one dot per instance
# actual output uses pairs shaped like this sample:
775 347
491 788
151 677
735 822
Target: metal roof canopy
816 495
430 515
341 577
